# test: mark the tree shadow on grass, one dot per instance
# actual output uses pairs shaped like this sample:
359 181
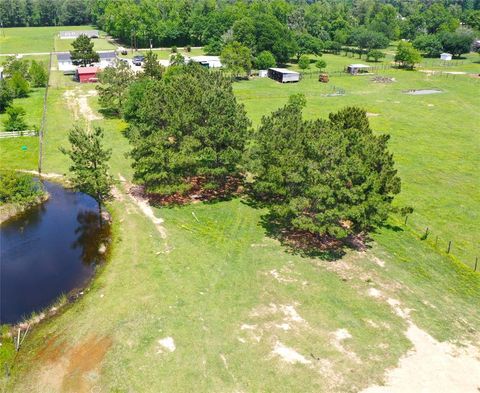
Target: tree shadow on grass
109 113
307 244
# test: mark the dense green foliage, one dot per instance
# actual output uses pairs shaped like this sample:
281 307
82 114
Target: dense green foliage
236 58
265 60
45 12
407 56
375 54
184 126
455 42
89 167
114 82
304 62
330 177
15 119
83 53
16 187
38 74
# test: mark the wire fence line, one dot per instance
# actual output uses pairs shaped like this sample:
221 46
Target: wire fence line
444 246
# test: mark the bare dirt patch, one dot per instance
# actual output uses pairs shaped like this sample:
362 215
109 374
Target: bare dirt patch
430 366
289 355
71 369
77 102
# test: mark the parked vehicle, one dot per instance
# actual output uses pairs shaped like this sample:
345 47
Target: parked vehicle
138 60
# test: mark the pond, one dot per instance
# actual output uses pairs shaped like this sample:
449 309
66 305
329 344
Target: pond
48 251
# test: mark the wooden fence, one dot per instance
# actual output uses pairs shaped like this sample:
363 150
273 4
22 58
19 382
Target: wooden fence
16 134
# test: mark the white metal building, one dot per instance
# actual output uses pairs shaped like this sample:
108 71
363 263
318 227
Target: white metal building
446 56
207 61
355 69
73 34
65 62
283 75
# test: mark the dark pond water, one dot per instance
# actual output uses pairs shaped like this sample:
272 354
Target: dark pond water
51 249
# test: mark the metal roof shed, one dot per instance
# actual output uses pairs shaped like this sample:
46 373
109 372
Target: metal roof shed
355 69
283 75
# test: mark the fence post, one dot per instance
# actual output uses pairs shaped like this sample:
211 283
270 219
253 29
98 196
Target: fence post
449 246
436 241
476 262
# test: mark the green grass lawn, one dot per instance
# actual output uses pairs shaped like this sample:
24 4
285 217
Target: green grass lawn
433 138
99 44
224 291
32 39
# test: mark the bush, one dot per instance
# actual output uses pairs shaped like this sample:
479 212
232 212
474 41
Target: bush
320 64
18 85
174 49
15 119
188 48
265 60
304 62
38 74
375 54
18 188
6 95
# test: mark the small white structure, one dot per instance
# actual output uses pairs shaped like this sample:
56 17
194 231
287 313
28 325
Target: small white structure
165 63
73 34
106 59
207 61
65 63
446 56
1 73
262 73
283 75
356 69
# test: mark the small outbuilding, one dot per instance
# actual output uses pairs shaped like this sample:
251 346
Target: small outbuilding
446 56
283 75
262 73
106 59
207 61
74 34
87 74
356 69
65 64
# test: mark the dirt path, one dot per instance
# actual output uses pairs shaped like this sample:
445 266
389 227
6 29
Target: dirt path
77 102
144 207
431 366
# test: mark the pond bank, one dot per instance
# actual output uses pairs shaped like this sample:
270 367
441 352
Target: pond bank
11 210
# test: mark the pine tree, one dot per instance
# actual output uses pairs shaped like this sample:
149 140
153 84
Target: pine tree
187 125
113 87
89 167
83 53
330 177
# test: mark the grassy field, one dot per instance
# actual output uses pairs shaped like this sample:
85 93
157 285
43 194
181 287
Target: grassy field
229 296
433 138
32 39
100 44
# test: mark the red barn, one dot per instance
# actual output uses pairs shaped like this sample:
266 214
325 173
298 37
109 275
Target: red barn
87 74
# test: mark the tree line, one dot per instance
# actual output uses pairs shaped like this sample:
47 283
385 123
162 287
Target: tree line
16 13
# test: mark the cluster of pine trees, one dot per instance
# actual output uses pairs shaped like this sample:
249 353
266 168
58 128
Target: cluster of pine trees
330 177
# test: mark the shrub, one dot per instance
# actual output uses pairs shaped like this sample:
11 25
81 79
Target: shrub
320 64
304 62
18 188
174 49
15 119
265 60
38 74
375 54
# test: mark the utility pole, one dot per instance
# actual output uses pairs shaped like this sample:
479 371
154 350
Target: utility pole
44 118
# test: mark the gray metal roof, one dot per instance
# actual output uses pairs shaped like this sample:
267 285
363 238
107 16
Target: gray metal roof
107 55
284 70
77 33
64 56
